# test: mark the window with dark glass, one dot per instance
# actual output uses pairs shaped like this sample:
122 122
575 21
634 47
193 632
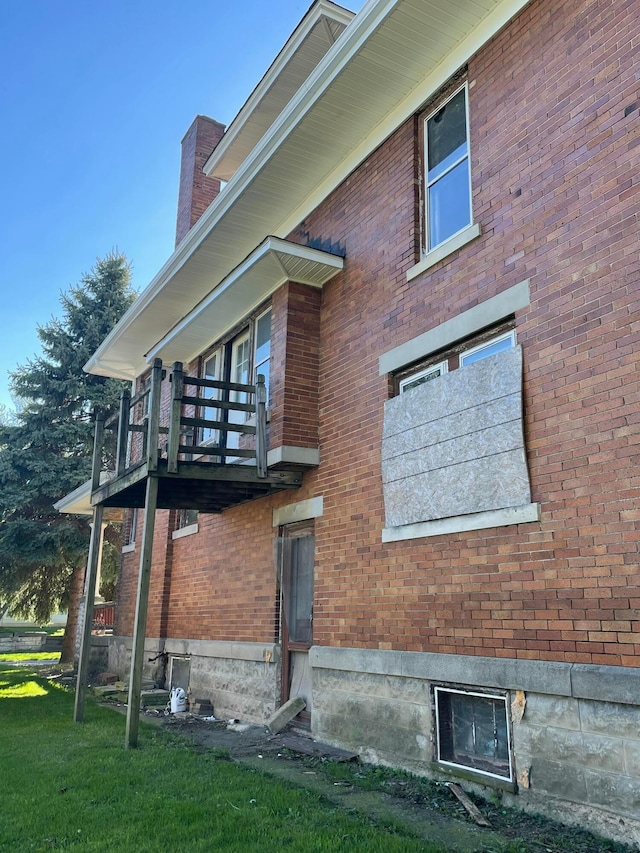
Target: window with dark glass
186 517
132 530
448 179
472 731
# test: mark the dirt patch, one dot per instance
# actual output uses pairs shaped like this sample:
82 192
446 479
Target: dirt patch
425 808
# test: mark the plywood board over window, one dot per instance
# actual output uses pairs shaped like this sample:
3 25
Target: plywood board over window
455 446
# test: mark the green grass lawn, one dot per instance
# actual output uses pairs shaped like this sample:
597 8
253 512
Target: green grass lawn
52 630
52 657
74 787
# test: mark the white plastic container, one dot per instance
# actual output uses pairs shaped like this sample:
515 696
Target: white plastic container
178 700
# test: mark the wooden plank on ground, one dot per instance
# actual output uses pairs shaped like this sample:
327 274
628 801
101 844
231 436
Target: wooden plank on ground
471 807
307 746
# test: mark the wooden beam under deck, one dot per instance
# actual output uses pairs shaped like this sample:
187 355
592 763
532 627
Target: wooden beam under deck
206 487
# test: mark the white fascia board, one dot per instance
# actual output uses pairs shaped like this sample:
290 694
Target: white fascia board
327 266
434 81
321 9
361 28
77 502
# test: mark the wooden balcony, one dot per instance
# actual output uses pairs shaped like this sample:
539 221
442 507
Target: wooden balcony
202 447
207 448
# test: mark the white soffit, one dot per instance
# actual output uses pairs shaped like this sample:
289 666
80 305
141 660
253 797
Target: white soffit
77 502
308 44
273 263
392 57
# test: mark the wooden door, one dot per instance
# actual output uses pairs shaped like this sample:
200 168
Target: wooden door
298 555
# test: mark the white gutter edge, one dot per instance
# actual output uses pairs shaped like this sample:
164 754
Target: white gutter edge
334 60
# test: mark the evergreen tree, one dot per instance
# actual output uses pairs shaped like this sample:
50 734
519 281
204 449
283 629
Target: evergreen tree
46 450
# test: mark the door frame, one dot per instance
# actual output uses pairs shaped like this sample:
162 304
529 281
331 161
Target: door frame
296 530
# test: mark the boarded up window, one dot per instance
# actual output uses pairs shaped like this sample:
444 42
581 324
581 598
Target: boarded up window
455 446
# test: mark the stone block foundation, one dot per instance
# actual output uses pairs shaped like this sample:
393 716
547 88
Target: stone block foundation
239 679
575 746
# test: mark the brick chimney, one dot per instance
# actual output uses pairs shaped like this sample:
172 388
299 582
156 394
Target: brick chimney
197 191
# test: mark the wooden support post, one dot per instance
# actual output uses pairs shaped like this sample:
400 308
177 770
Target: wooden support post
153 423
142 602
177 390
97 452
261 427
123 432
93 568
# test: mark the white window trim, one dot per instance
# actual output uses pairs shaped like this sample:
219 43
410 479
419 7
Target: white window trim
443 250
510 335
465 767
218 353
185 531
442 366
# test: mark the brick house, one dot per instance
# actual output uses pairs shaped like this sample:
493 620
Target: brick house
421 230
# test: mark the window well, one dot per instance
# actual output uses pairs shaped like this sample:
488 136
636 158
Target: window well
472 732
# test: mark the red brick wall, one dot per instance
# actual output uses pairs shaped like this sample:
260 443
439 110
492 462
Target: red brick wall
295 345
548 121
196 190
555 178
225 588
129 571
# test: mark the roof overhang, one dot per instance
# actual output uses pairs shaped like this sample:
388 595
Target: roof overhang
307 45
269 266
393 56
78 502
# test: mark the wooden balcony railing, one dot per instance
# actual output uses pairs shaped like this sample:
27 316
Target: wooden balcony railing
231 415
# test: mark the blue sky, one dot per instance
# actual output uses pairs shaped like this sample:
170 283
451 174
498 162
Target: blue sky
95 98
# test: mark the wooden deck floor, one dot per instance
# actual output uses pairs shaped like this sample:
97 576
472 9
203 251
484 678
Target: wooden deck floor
196 485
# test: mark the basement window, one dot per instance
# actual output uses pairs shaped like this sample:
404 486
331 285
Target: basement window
472 732
179 671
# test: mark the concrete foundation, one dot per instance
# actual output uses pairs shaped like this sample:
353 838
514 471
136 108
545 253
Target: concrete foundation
575 729
575 758
239 679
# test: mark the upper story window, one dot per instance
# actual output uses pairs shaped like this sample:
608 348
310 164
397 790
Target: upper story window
448 172
262 348
212 369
